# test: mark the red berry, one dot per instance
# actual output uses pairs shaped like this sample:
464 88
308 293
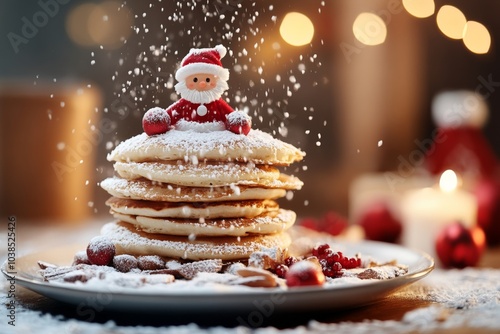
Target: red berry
320 250
329 272
337 267
304 273
281 270
290 260
100 251
352 263
337 256
155 121
125 263
239 122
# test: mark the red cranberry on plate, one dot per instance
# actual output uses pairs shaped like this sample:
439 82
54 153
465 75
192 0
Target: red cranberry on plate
100 251
304 273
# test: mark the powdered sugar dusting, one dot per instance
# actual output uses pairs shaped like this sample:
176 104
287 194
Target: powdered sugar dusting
202 175
147 190
183 125
238 117
233 248
155 115
100 244
257 146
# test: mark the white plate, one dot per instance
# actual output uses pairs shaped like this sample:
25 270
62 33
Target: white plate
341 296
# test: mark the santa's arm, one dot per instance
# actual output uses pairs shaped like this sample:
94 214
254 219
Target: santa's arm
174 112
224 107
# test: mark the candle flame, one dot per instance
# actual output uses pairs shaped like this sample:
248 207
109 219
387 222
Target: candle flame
448 181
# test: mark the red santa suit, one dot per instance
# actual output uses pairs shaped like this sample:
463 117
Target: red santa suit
214 111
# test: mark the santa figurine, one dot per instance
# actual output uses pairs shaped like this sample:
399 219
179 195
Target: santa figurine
459 143
201 82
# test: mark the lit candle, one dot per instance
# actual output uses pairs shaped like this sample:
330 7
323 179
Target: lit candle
426 211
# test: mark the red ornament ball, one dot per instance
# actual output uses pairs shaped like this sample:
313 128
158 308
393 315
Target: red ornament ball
239 122
460 247
304 273
379 223
100 251
156 121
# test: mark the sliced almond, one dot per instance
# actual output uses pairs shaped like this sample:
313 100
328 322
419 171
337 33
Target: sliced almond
190 270
262 278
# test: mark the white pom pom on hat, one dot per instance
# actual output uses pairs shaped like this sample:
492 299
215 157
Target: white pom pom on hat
453 109
201 61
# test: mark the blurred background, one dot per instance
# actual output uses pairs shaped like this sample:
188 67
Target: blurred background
350 82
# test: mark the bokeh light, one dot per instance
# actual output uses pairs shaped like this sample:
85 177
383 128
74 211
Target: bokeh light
451 21
420 8
296 29
108 24
369 29
476 37
76 24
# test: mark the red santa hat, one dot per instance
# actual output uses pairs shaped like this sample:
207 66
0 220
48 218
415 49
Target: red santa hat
206 60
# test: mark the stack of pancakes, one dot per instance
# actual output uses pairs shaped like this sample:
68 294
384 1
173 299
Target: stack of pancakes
200 195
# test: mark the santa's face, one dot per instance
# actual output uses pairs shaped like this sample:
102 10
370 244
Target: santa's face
201 88
201 82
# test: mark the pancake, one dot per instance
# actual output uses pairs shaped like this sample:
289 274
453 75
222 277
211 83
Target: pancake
223 146
269 223
191 210
143 189
128 240
199 175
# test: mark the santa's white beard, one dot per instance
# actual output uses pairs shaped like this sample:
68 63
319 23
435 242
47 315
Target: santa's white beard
194 96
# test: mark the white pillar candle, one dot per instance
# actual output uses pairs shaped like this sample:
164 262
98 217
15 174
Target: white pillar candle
426 211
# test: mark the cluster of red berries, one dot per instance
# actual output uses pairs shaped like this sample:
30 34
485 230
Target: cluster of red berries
332 263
